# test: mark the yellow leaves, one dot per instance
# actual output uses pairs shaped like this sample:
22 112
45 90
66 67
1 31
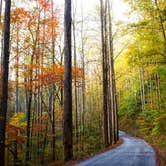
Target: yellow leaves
18 120
59 114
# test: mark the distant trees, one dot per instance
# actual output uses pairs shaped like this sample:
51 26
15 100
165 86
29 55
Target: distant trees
143 73
109 85
5 73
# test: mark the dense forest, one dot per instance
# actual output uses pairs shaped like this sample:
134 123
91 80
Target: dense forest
70 79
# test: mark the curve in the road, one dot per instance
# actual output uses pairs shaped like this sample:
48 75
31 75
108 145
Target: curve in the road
133 152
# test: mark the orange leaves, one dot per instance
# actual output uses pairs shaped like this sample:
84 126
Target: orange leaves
32 20
77 72
43 118
59 70
42 76
45 76
51 22
51 75
36 128
19 15
14 128
13 134
21 139
44 4
51 25
32 67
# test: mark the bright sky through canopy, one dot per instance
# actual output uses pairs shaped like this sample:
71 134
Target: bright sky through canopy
119 7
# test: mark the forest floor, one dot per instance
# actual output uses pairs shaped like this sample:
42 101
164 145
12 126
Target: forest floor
133 151
160 156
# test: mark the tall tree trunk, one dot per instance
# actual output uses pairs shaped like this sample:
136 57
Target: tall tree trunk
2 33
113 82
5 73
111 125
68 142
105 70
53 87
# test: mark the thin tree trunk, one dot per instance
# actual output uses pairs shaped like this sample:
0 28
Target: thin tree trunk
83 72
75 85
159 93
29 94
142 90
113 82
157 90
17 67
151 95
53 88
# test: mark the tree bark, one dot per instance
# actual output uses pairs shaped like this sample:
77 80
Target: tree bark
68 142
113 82
5 73
105 71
